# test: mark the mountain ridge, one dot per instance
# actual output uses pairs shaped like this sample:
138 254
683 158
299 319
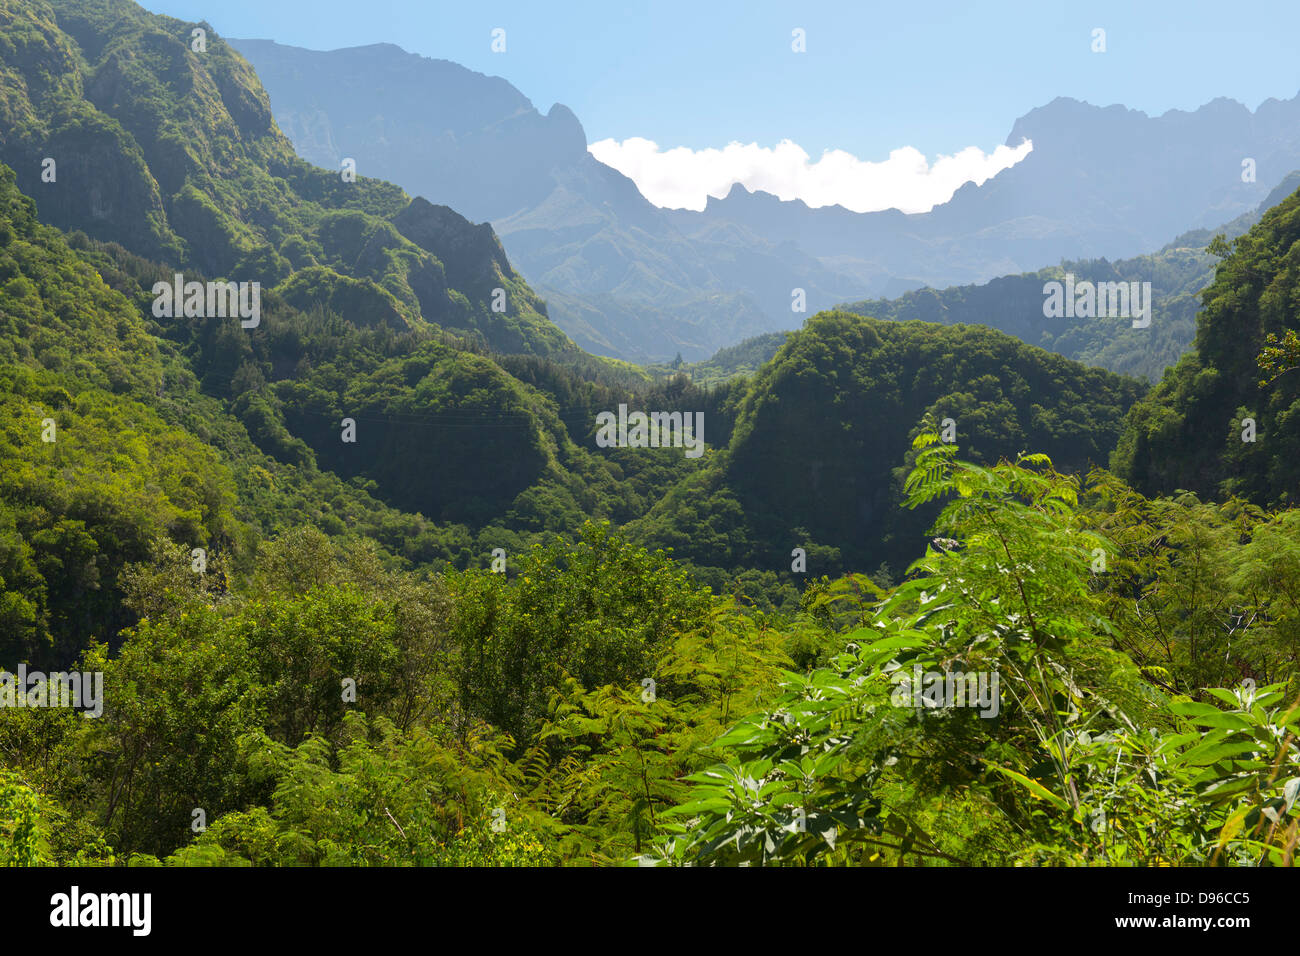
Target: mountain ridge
632 280
169 146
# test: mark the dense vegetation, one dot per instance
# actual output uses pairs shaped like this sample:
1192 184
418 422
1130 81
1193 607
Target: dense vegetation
1014 304
1191 432
173 153
462 639
1088 761
650 719
819 450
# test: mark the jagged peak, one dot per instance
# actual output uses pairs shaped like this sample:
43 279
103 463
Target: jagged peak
566 121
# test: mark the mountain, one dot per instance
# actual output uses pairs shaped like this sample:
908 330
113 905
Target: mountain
307 650
195 431
473 445
1014 304
119 127
113 453
460 448
617 275
624 278
1099 181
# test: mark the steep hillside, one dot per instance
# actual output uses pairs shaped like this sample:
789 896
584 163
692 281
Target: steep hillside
1188 433
112 453
128 437
344 406
131 128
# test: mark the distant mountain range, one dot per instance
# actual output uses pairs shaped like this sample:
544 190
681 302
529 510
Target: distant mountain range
625 278
620 277
1109 181
1178 272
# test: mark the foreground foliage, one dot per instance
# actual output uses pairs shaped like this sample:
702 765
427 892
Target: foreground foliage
1085 763
599 708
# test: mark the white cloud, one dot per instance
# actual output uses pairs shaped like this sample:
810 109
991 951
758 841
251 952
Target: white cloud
684 178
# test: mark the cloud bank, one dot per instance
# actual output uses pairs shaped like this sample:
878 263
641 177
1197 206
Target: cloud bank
683 178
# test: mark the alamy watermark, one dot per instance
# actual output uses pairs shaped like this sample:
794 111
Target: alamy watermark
1102 300
129 910
83 690
212 300
978 690
653 430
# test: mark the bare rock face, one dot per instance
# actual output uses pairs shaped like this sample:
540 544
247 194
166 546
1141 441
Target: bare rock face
456 137
471 253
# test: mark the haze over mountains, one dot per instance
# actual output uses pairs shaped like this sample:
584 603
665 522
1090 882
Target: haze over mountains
620 277
628 279
1177 273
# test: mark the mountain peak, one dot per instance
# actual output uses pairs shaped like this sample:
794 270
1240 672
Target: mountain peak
566 123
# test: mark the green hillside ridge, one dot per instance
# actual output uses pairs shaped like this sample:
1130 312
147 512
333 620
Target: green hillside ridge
141 457
174 154
443 429
1014 304
1188 432
822 434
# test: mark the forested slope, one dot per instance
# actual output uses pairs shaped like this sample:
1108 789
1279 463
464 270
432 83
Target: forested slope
1178 273
822 437
1190 432
164 142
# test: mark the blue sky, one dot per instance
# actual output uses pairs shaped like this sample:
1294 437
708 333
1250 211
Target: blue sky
938 77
